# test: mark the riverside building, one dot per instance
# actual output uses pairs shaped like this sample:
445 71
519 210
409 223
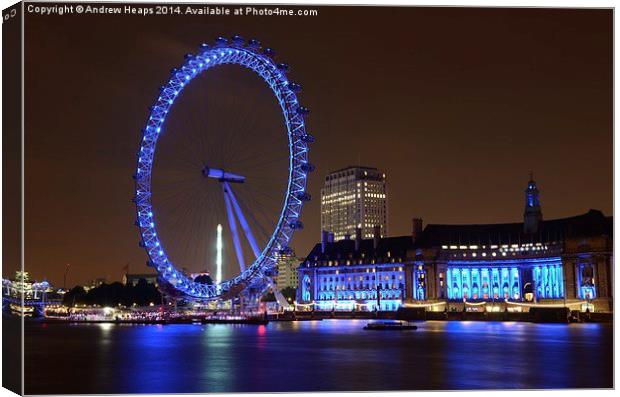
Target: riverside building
507 266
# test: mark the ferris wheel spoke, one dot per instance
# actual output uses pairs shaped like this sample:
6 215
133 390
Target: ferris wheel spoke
181 152
261 193
236 134
191 247
258 162
259 196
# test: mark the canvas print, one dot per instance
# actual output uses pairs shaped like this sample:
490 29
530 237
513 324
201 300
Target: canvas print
223 198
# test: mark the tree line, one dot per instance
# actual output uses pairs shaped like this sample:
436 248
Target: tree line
142 294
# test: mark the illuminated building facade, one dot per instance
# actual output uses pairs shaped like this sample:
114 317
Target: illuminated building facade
509 266
355 274
354 197
566 261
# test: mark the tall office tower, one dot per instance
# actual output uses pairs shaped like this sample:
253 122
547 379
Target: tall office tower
287 265
354 197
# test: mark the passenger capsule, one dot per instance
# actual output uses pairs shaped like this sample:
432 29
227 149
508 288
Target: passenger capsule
296 225
307 138
253 44
238 40
286 251
221 41
304 196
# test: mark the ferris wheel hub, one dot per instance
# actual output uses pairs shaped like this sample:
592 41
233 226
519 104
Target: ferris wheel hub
221 175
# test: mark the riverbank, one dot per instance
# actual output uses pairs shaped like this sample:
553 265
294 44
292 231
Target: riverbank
250 321
556 315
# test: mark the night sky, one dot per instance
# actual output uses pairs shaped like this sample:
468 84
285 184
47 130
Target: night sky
456 106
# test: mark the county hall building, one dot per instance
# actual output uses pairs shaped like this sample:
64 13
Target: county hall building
509 266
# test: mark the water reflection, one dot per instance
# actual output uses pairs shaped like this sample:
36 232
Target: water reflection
315 355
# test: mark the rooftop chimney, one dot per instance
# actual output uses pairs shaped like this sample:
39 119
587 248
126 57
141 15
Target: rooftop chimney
324 238
417 228
376 236
358 238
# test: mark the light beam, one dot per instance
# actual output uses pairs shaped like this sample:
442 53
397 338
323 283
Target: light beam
218 257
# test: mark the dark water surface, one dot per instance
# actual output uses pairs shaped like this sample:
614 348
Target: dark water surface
315 355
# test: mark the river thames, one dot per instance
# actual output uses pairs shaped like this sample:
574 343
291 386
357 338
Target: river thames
314 356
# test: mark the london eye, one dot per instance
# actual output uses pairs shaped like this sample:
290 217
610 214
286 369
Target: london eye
227 181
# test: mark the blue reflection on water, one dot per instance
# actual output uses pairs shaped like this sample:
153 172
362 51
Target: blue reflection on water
315 355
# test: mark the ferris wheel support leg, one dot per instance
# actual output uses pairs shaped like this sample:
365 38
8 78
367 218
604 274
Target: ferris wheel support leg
233 229
277 294
242 221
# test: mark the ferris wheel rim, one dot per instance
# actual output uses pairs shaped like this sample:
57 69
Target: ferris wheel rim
235 52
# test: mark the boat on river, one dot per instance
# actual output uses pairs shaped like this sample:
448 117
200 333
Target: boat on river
389 326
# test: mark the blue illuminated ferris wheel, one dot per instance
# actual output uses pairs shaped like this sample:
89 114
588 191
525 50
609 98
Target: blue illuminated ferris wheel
229 182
